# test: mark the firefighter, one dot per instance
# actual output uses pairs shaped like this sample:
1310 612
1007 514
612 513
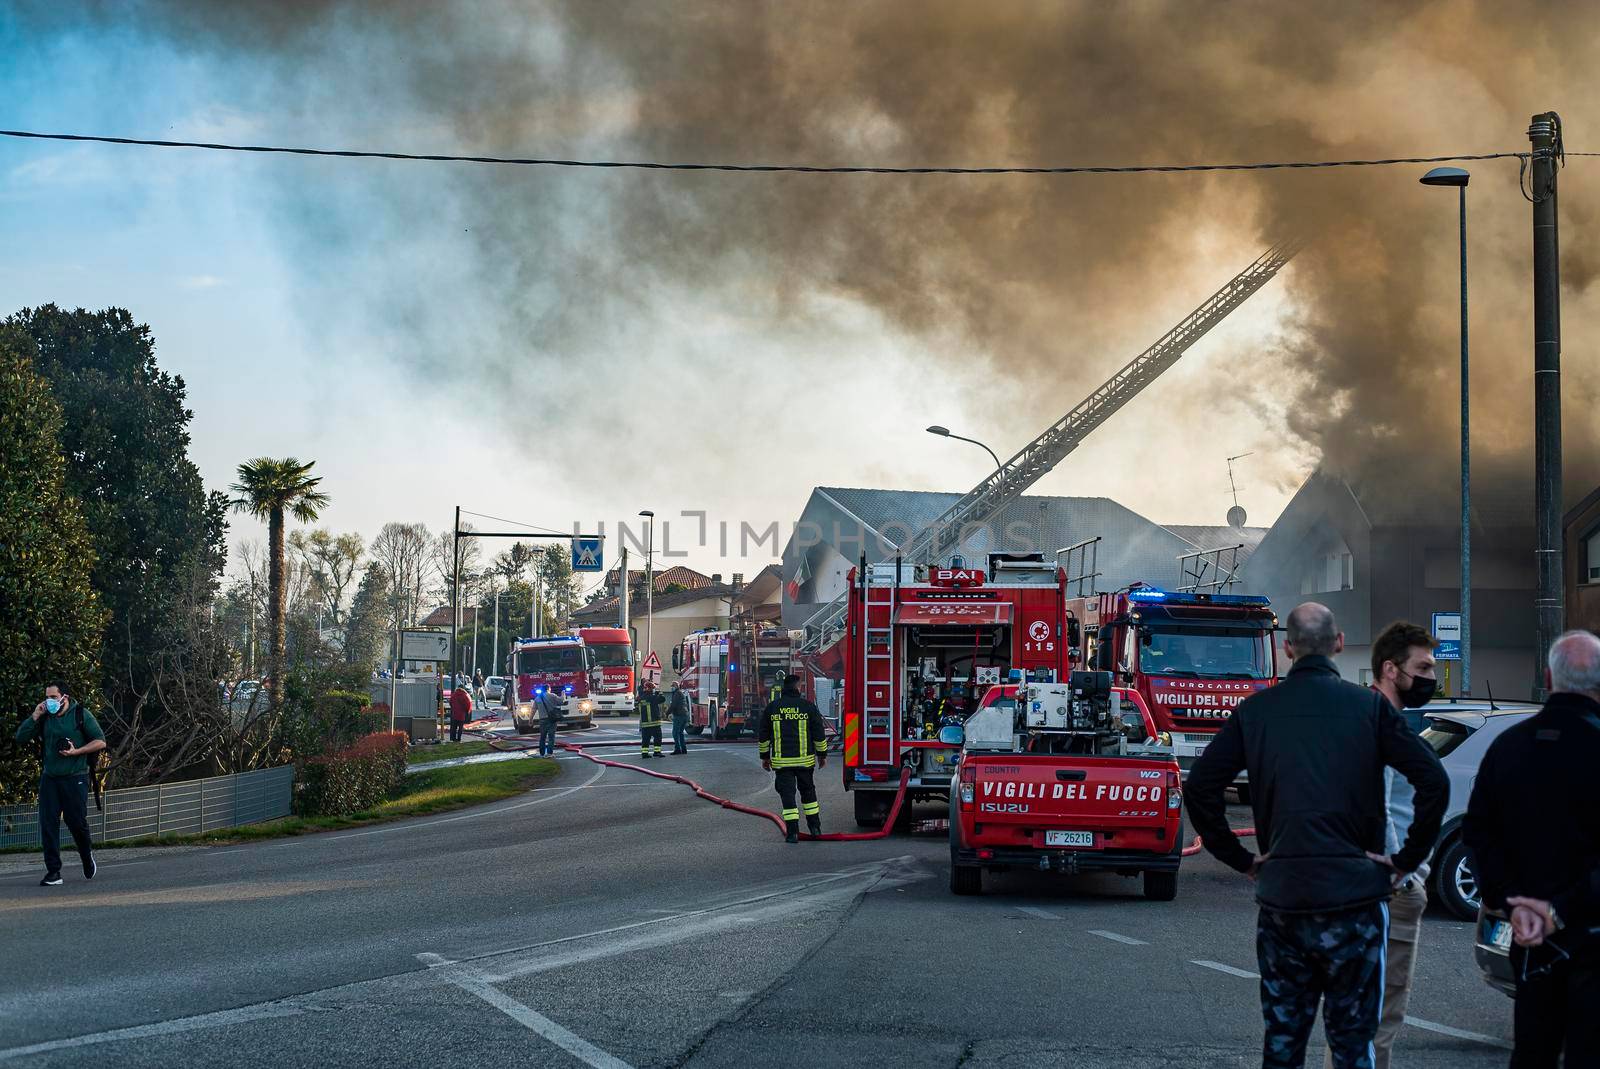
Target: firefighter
794 743
650 703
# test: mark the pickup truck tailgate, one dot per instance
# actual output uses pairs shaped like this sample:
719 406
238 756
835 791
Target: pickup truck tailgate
1056 801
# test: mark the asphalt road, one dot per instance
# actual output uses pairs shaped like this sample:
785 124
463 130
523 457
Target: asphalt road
612 920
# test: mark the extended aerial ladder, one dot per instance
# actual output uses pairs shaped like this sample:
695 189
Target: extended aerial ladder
1035 459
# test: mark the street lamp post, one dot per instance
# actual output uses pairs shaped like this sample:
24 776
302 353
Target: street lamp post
649 575
1455 176
494 660
944 432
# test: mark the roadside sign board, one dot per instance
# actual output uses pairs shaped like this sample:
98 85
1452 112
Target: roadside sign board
651 667
1447 629
587 555
424 645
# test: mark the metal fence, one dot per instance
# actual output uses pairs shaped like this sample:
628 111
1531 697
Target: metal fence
184 808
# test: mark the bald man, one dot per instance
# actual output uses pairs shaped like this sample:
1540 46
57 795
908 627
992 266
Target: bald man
1534 832
1316 748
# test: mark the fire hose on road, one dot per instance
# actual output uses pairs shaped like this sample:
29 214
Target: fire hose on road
833 837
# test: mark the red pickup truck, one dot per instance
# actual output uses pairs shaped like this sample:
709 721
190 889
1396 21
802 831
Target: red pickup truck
1066 778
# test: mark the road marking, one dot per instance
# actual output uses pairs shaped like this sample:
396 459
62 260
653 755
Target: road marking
432 960
1115 938
1456 1033
220 1019
1229 969
1043 914
575 1045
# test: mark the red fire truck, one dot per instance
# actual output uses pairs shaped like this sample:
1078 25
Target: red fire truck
921 641
611 671
729 675
1065 777
558 664
1193 657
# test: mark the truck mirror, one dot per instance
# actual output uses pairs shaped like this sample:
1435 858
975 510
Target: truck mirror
1074 633
951 735
677 658
1133 725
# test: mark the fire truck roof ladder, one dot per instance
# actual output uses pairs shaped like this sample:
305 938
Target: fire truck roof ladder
1209 569
1035 459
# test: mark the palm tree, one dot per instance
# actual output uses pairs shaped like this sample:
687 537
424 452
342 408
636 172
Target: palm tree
266 489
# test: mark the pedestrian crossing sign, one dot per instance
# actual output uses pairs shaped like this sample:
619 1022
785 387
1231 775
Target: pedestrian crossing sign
586 555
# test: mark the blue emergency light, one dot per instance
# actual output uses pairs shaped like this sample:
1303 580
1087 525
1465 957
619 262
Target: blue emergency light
567 689
538 690
1150 594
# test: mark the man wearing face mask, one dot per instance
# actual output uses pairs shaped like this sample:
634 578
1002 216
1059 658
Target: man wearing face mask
70 734
1403 672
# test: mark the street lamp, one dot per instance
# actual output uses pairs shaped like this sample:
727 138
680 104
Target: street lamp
1455 176
944 432
649 575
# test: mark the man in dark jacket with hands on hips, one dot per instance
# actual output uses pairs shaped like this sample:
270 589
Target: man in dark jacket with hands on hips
70 734
1315 748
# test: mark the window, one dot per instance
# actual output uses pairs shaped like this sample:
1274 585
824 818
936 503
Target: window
1591 557
1209 652
1332 569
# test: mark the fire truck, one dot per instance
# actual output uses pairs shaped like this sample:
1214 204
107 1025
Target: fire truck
1192 656
609 653
1065 777
558 664
921 641
729 675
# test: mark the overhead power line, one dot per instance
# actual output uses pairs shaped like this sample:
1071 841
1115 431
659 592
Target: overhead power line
781 168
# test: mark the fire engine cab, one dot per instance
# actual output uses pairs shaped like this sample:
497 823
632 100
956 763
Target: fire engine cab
923 643
1191 656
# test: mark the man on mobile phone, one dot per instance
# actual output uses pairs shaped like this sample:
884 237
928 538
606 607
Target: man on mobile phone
70 734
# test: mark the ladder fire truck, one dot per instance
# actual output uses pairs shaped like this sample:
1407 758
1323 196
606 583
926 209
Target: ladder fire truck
923 643
729 675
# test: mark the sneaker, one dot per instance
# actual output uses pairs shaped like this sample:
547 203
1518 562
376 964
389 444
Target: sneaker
90 867
51 879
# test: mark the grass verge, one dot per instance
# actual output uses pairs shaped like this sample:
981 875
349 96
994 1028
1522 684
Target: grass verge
434 791
445 750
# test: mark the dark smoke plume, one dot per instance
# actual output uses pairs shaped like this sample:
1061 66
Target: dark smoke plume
1041 279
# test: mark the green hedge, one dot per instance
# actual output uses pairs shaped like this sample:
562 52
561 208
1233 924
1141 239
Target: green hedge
355 778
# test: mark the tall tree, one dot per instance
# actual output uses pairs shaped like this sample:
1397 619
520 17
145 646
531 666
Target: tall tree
269 489
330 562
366 624
558 586
155 530
403 549
50 617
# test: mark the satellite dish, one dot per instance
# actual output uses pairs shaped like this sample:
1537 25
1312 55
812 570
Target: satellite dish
1236 517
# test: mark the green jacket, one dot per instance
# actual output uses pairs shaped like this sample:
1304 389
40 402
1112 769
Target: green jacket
62 725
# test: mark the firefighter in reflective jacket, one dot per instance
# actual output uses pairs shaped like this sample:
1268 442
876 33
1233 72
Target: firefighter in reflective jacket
650 703
794 744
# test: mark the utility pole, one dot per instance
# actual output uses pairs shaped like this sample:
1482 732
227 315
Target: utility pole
494 660
475 615
649 578
1545 135
455 593
622 590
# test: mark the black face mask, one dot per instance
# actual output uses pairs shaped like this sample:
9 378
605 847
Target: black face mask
1419 693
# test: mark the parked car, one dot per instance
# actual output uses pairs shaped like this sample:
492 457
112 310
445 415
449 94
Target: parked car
494 688
1460 733
244 692
1491 948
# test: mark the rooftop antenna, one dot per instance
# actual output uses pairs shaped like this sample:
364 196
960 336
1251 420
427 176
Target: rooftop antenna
1236 515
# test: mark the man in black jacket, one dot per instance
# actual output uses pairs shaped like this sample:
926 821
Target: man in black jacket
1315 748
1534 833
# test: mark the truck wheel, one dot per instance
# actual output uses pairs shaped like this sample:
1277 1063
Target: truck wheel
1454 883
869 811
1160 886
966 880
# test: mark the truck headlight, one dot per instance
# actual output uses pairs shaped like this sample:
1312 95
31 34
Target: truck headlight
524 709
585 705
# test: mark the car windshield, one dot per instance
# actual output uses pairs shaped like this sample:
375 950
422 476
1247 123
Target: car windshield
611 655
1445 735
1205 653
550 659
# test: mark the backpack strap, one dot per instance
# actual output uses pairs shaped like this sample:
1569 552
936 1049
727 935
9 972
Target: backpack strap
96 780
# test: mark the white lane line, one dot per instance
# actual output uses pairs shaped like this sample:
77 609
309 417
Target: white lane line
575 1045
1115 938
1042 914
600 771
1229 969
220 1019
1457 1033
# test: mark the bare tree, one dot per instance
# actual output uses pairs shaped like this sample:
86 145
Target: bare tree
330 563
403 549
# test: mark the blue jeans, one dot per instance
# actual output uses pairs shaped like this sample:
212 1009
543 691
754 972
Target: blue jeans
547 737
679 743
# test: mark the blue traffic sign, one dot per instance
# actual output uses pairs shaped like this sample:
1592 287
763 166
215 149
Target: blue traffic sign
1447 629
586 555
1448 650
